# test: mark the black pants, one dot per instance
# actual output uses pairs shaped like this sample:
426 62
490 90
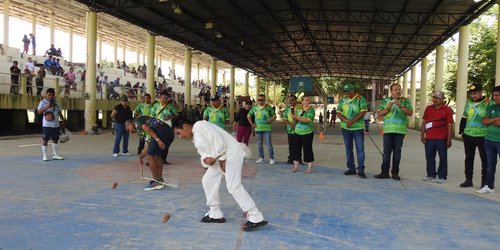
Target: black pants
39 86
303 142
142 141
470 144
290 147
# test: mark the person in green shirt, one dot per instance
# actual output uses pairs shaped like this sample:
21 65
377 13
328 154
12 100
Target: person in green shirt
303 134
492 141
473 131
143 109
351 110
165 111
264 116
216 113
290 124
395 110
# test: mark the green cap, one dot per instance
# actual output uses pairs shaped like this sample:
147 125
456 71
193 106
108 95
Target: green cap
348 87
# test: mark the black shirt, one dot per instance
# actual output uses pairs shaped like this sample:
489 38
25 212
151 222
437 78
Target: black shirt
122 114
242 118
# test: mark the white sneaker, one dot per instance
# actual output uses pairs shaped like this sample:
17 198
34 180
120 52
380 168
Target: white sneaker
128 153
485 190
260 160
429 178
271 162
45 158
57 157
116 155
440 181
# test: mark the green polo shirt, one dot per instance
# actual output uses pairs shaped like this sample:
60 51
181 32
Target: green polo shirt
396 121
262 113
217 116
474 112
287 115
350 108
493 132
304 128
144 109
163 112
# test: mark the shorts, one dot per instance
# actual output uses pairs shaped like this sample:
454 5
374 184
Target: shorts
49 133
166 135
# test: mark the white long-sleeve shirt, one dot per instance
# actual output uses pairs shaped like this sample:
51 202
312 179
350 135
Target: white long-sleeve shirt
213 141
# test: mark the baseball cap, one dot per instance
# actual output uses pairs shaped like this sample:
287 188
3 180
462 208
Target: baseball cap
474 87
123 98
348 87
437 93
214 98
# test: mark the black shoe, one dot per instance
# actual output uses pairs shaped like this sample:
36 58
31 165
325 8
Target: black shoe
350 172
362 175
382 176
396 177
466 184
166 162
207 219
289 162
249 226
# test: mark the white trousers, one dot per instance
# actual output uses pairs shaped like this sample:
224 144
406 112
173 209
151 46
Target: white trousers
211 182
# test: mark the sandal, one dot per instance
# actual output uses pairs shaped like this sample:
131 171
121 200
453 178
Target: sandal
249 226
207 219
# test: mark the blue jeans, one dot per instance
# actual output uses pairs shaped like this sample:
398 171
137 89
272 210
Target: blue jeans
492 153
266 135
439 146
119 133
392 145
358 136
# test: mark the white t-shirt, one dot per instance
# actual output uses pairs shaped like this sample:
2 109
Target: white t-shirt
30 66
56 109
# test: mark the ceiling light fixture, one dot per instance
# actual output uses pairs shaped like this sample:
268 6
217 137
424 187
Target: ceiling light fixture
177 9
218 34
209 25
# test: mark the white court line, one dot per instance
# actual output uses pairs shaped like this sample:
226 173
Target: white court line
31 145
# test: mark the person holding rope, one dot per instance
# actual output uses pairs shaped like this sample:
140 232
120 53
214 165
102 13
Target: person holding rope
162 137
395 110
290 125
303 134
224 156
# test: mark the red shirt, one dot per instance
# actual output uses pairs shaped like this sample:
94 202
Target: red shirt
437 122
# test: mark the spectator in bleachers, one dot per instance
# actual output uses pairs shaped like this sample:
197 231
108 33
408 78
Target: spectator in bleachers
48 62
170 73
59 69
39 80
133 72
14 78
58 52
52 51
111 90
29 79
97 84
30 65
160 73
118 65
26 44
104 85
136 87
69 80
33 43
144 71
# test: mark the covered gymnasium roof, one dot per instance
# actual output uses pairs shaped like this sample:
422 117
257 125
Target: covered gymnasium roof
277 39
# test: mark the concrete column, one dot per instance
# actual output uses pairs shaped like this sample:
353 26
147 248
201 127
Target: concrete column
150 78
90 87
124 52
187 77
144 56
208 75
172 64
6 13
231 94
198 72
497 69
413 92
404 88
70 54
267 91
115 51
52 27
99 42
374 92
224 77
213 79
439 70
246 86
423 88
257 87
462 72
275 101
33 30
138 55
400 80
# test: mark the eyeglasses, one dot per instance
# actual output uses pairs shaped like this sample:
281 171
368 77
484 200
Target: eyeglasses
260 100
